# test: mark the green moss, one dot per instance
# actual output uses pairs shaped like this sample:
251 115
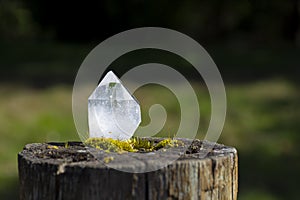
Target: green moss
142 144
109 145
108 159
66 145
112 84
52 147
134 144
168 143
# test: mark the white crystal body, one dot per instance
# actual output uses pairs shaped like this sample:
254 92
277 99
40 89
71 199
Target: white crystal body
112 111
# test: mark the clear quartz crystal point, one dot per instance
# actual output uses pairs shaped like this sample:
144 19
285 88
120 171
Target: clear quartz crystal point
112 111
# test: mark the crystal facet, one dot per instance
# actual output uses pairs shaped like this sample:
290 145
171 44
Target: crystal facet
112 111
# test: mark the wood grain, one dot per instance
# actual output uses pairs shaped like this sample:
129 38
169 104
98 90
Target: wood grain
74 173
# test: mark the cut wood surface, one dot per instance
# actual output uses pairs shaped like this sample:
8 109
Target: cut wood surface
71 171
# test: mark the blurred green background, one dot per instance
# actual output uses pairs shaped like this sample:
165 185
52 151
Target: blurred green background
255 44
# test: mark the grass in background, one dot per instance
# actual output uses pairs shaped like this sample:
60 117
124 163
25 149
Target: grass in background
262 122
28 116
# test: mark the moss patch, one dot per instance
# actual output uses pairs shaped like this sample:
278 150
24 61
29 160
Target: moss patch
134 144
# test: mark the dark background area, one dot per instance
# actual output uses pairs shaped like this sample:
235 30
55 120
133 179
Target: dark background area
255 45
263 36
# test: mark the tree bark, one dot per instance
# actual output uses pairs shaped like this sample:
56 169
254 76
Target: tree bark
59 171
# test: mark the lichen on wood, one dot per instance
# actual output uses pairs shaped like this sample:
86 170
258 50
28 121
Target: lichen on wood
134 144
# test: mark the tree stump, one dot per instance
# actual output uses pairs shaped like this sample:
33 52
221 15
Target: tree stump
68 171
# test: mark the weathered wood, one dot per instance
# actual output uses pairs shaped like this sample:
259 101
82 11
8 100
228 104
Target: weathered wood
48 172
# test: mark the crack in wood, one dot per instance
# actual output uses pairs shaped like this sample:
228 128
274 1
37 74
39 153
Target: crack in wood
210 178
